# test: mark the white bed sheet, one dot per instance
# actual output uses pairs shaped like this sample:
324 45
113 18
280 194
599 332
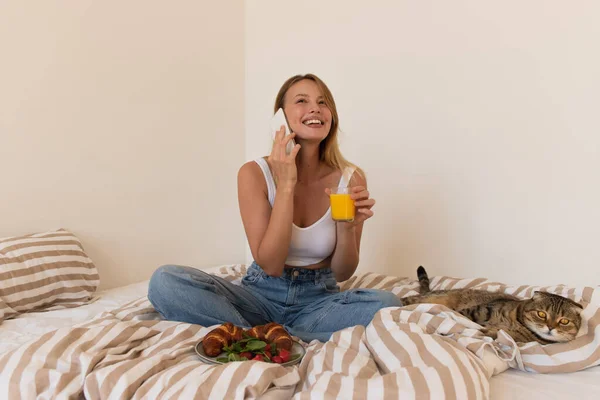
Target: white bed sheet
25 327
518 385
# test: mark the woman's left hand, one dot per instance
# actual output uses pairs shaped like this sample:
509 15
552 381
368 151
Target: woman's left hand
363 204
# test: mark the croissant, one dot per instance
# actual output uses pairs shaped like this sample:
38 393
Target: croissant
276 333
273 333
221 336
257 332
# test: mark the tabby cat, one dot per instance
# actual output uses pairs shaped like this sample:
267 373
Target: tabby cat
545 318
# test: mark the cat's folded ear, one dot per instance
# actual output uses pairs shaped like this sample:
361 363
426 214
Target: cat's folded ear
537 295
578 308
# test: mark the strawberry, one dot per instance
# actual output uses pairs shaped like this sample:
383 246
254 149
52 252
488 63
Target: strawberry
268 347
268 354
284 354
258 357
277 359
246 354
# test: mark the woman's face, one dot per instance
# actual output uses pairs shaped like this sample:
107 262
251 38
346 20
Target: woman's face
306 112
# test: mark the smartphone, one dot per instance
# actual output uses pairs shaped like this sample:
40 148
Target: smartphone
276 122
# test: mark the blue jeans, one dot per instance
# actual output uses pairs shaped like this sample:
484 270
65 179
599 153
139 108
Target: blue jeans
308 303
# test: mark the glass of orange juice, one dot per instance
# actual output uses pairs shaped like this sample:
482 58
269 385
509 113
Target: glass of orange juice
342 206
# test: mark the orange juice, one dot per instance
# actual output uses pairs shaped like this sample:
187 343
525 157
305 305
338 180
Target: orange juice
342 207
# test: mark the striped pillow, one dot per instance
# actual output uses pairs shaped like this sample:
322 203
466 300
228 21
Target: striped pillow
44 271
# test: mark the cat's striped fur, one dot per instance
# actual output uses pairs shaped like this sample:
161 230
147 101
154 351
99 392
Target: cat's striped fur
544 318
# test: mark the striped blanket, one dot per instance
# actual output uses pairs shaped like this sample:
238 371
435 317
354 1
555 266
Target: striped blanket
419 351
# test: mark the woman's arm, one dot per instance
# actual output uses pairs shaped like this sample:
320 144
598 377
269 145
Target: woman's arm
347 249
346 254
269 231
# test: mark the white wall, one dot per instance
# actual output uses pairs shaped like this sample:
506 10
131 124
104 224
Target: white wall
123 122
475 121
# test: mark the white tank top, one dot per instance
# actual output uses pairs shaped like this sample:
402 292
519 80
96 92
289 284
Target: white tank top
316 242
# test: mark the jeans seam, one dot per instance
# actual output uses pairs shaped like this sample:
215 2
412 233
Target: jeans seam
213 287
320 318
262 311
234 306
238 314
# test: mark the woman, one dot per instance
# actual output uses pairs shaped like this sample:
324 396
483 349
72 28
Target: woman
299 251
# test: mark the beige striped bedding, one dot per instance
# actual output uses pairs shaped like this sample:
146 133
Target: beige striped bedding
421 351
44 271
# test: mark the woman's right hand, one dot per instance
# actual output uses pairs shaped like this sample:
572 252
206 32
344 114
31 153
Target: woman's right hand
284 165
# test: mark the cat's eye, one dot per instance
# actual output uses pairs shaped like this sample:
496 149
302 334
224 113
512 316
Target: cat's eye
564 321
541 314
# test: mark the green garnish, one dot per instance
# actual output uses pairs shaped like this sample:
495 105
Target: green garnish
253 346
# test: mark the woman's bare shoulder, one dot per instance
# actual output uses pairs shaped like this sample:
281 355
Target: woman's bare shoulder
358 178
251 174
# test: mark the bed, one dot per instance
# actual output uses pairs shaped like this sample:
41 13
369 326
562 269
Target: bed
116 346
28 326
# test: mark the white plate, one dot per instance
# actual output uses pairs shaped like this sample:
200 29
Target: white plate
296 349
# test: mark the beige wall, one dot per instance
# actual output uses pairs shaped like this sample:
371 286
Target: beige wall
476 123
123 122
126 122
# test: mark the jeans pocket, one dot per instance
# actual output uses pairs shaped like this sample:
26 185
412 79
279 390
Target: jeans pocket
330 285
253 275
250 279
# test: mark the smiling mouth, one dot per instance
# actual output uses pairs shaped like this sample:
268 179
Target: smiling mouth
313 122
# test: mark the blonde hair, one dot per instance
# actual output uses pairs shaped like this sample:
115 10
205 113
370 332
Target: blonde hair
329 149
